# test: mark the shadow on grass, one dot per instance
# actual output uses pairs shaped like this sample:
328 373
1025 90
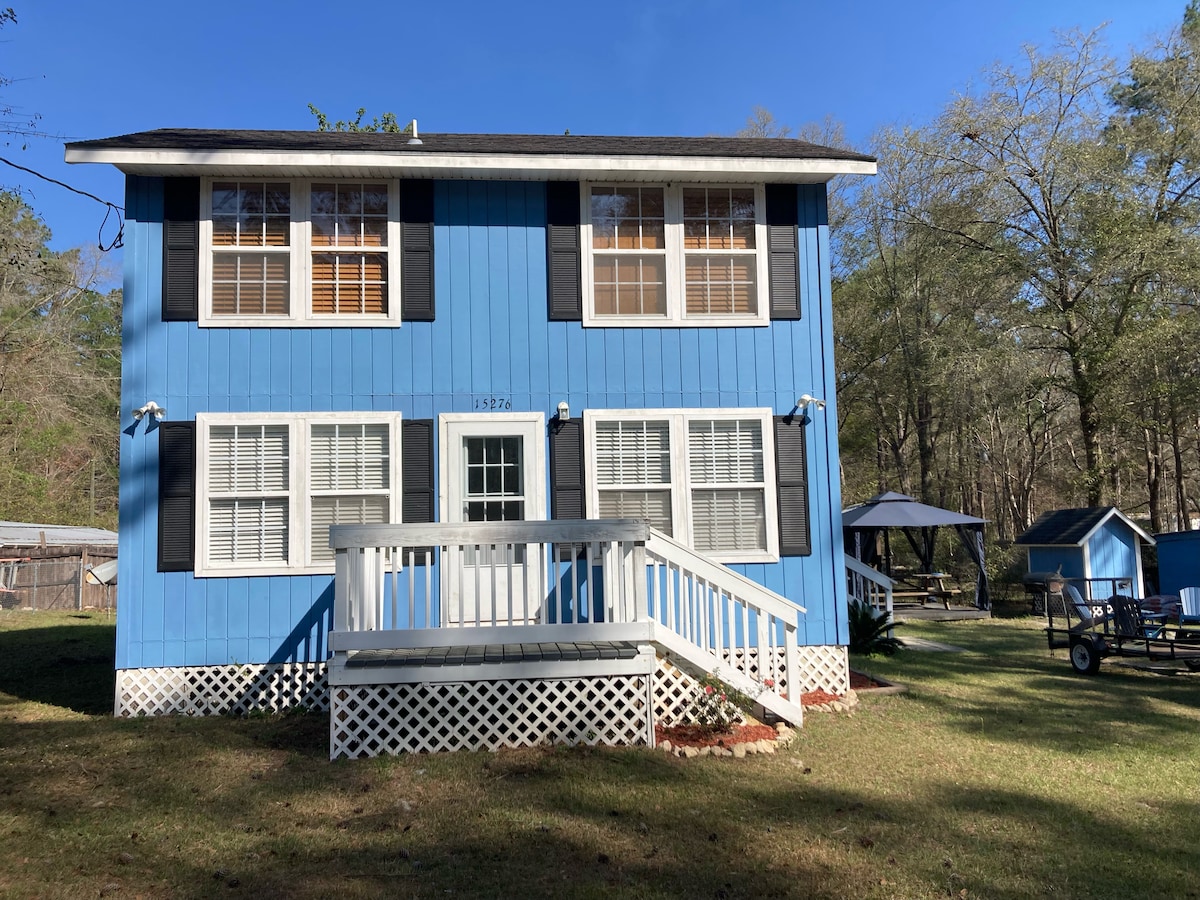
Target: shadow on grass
66 665
1007 686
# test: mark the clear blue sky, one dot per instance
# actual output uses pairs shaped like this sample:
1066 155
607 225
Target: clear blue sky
671 67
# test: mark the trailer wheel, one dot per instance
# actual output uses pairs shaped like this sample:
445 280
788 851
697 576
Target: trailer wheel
1085 657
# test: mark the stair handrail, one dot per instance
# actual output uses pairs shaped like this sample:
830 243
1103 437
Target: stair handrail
722 623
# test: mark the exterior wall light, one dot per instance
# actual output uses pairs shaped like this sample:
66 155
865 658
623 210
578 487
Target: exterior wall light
149 409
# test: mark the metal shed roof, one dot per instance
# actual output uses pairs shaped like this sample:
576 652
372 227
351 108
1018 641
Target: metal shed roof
25 534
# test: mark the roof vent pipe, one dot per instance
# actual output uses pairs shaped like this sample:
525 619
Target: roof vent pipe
412 127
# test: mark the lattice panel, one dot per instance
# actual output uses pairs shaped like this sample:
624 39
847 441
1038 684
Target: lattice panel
221 690
371 720
674 693
824 668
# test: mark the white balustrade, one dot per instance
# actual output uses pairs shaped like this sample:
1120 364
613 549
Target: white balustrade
868 585
732 626
488 578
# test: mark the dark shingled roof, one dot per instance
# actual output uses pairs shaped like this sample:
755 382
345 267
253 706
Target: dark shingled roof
468 144
1064 526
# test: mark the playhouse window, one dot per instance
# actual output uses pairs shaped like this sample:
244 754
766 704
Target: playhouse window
676 254
705 477
299 252
271 484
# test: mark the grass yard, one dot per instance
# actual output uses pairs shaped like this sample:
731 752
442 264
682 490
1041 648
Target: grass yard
999 774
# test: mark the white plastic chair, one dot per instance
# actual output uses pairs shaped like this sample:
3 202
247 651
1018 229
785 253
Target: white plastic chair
1189 606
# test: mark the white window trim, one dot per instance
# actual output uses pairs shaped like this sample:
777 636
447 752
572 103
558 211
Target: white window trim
299 514
681 484
676 315
300 272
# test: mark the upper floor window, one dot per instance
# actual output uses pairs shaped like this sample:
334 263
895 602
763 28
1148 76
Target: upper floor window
299 252
674 254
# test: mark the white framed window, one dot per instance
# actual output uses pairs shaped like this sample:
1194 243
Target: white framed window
269 486
704 476
277 252
674 254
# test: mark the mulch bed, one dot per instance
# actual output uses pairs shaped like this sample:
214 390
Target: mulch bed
699 736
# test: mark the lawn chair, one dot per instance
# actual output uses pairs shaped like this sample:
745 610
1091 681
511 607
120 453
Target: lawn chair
1130 622
1069 603
1189 606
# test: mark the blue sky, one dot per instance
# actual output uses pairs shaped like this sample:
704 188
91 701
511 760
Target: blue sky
672 67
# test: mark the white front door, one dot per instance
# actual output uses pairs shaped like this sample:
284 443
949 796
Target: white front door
493 469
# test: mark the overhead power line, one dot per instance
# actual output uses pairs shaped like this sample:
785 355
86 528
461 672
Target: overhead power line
119 240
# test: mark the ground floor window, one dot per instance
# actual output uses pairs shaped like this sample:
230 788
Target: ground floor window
270 485
704 476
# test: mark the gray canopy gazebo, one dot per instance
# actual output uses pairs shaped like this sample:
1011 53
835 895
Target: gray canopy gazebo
919 522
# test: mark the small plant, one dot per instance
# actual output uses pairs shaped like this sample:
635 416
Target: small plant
869 631
713 709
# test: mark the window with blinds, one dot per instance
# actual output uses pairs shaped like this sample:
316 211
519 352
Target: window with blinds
725 461
674 254
248 468
271 485
633 471
706 477
297 252
349 479
251 248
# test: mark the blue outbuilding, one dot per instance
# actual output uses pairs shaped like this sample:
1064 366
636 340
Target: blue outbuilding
1096 547
1178 561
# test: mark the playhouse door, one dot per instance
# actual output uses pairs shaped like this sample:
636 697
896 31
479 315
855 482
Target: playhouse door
493 469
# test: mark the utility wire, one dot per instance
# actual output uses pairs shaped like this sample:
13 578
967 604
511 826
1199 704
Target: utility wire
119 240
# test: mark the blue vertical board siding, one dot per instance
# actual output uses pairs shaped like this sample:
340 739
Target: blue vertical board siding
1050 559
1178 561
491 338
1113 553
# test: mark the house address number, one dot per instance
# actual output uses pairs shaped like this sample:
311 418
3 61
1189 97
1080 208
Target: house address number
493 403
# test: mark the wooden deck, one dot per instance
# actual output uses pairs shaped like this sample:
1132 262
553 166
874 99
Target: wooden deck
478 654
937 612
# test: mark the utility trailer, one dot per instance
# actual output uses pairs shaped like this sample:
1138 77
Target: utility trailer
1093 630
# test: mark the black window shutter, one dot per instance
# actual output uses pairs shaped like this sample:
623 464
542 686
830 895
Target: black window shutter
416 250
562 251
783 252
791 470
181 250
416 475
566 469
176 496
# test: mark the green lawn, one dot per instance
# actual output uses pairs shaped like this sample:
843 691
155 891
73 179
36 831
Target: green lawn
998 774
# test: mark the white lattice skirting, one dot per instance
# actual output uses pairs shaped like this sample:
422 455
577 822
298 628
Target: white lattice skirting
825 669
376 719
372 720
221 690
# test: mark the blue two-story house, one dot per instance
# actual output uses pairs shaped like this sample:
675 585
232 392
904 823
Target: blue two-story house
476 440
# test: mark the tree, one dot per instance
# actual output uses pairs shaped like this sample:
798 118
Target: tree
385 123
59 377
12 119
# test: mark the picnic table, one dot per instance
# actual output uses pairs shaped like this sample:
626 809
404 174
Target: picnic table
927 586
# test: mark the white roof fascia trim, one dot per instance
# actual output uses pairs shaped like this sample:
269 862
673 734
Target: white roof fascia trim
1124 518
609 166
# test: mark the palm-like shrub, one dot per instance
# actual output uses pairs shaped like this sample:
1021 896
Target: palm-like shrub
869 631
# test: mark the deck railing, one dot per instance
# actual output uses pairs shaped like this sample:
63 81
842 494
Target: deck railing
868 585
446 583
454 584
720 619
